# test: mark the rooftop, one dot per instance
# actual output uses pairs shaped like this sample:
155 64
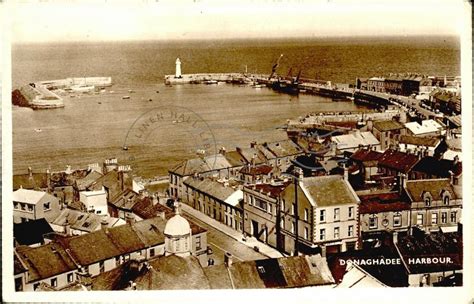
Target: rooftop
269 189
364 155
330 190
387 125
382 202
419 141
427 126
416 188
399 161
283 148
354 140
256 170
438 167
29 196
210 187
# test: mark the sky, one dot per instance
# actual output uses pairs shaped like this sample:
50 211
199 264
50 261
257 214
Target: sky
75 20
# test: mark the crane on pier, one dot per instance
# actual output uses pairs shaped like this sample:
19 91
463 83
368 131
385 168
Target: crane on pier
275 66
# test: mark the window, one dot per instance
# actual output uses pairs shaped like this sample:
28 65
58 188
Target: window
336 214
306 214
251 200
446 200
35 286
70 277
453 216
322 234
419 219
117 261
54 282
270 208
47 206
444 217
322 216
350 230
292 227
16 205
373 221
336 232
434 218
261 204
30 208
23 207
427 201
101 267
397 220
282 223
351 212
293 209
152 252
198 243
306 233
282 205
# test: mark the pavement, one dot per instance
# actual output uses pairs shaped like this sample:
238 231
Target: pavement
250 242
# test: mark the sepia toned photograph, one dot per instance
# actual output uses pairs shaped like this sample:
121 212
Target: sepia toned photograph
200 145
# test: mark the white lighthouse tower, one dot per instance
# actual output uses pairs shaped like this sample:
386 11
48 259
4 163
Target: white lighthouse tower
178 69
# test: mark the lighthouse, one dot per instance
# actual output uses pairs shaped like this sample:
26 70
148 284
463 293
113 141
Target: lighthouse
178 69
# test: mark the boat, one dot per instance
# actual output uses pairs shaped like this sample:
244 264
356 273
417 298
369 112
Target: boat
126 97
157 91
125 148
38 130
210 81
131 91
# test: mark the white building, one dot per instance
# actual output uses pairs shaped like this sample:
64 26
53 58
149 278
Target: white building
95 201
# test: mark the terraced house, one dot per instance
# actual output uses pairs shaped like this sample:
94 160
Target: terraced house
58 263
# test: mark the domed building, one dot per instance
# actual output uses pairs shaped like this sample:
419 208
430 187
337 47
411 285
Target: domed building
177 236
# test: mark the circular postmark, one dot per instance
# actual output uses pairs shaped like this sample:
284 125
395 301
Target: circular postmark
163 136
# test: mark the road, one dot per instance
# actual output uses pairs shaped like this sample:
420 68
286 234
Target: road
221 243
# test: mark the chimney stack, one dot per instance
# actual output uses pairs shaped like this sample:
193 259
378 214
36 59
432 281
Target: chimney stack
67 228
104 224
402 183
84 278
30 172
129 218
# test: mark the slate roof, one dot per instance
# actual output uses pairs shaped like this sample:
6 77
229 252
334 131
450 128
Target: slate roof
398 161
249 153
31 232
210 187
366 155
45 261
283 148
269 189
353 140
164 273
116 182
18 265
356 277
36 181
125 200
235 158
83 221
436 244
84 183
145 209
190 167
382 202
323 191
286 272
387 125
419 141
416 188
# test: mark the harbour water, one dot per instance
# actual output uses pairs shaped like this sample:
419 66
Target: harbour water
94 127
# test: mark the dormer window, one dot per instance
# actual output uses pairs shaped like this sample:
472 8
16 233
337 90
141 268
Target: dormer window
446 197
427 199
446 200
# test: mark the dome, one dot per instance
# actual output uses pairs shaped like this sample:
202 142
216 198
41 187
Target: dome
177 226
